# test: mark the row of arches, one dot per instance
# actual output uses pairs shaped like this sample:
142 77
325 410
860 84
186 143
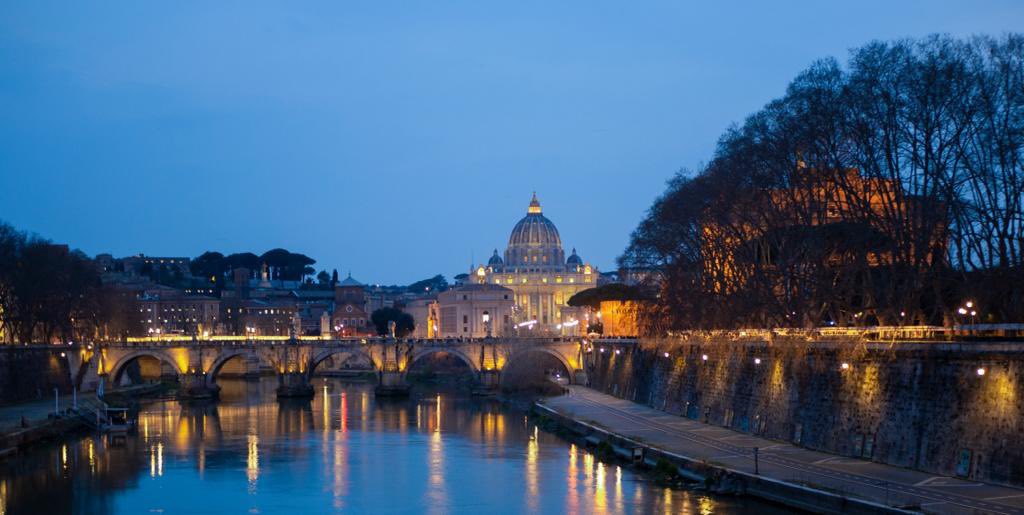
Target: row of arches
155 364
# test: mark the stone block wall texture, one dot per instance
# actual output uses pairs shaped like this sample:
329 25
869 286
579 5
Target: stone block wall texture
32 374
916 405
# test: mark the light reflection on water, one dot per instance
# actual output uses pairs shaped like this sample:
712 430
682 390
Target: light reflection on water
344 451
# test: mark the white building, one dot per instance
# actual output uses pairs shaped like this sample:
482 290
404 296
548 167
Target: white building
476 311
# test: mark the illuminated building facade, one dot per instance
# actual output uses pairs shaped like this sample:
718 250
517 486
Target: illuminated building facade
475 311
164 310
541 278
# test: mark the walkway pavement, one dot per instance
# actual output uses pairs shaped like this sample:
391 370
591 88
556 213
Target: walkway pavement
880 483
33 411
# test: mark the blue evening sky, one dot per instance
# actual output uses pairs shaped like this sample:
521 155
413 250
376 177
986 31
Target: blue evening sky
394 139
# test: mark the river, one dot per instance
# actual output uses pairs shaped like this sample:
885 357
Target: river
346 451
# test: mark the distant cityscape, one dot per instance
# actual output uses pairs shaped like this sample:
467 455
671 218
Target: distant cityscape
525 290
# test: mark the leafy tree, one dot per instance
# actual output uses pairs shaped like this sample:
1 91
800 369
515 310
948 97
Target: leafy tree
212 266
434 284
404 323
884 192
323 278
592 297
287 266
243 260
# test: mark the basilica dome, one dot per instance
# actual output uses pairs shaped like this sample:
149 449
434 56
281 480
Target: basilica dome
534 241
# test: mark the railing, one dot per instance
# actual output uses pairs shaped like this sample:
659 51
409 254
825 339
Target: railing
873 333
239 341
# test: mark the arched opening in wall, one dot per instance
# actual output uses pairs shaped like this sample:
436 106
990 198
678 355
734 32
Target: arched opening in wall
345 364
236 376
145 369
535 372
441 367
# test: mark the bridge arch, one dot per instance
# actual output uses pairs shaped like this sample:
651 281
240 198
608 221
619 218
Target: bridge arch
428 351
118 369
323 355
222 359
518 356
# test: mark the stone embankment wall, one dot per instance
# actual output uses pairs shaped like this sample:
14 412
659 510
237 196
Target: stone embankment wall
32 373
917 405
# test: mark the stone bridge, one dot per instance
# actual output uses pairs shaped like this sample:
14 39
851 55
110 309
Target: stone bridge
197 362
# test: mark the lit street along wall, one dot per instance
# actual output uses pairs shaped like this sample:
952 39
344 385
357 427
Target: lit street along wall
949 408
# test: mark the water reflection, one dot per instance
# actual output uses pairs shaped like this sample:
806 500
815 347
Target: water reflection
345 450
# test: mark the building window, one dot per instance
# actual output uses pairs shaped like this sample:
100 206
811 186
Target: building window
465 319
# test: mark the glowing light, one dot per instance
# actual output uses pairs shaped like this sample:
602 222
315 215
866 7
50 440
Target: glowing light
666 354
846 366
252 461
981 371
704 357
962 311
969 304
617 351
757 361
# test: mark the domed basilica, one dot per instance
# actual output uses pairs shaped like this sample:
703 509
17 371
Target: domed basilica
536 269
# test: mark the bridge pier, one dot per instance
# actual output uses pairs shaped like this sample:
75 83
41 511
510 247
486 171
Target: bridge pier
292 385
391 384
196 386
488 382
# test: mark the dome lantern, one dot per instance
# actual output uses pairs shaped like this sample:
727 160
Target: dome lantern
534 208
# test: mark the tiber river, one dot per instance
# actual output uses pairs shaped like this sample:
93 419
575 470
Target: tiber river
343 452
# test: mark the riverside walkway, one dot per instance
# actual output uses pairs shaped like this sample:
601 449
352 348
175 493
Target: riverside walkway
853 478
